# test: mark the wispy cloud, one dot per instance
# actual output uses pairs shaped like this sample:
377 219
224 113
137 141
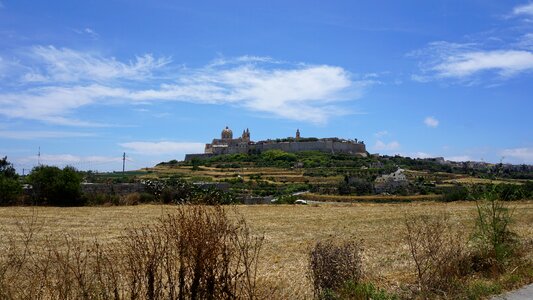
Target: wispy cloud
381 133
53 104
441 60
31 135
525 42
63 80
506 62
164 147
87 31
67 65
382 146
431 122
526 9
82 162
521 155
305 93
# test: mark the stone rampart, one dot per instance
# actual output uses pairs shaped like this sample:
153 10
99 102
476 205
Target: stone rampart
324 146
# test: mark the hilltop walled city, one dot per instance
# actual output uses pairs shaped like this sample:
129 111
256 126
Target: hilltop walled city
226 144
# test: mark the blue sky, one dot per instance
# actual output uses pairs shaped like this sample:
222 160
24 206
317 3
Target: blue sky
88 80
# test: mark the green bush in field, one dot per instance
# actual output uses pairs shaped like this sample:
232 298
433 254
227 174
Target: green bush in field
456 193
286 199
495 243
55 186
10 188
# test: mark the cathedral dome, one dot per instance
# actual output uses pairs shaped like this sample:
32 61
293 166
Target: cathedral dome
227 134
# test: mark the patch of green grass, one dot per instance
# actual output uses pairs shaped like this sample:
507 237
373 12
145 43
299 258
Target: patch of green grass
479 289
363 291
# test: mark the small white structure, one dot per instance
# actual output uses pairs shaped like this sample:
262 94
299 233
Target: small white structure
391 182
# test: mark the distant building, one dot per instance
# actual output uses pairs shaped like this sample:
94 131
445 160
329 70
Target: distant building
391 183
226 144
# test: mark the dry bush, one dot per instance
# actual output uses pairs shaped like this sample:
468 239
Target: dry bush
332 264
130 199
197 253
438 251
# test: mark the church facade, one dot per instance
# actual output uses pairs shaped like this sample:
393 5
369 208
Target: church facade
226 144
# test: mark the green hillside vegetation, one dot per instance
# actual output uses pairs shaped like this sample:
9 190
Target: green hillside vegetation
278 173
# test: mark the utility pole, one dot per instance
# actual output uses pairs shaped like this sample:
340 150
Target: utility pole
39 156
123 163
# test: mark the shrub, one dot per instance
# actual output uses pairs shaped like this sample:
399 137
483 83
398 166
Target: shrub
179 191
437 251
286 199
456 193
196 253
10 188
494 242
94 199
54 186
130 199
331 264
146 198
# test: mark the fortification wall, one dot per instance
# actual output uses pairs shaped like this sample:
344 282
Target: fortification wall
329 146
324 146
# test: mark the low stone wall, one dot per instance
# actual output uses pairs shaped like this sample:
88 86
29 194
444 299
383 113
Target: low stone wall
223 186
112 189
258 200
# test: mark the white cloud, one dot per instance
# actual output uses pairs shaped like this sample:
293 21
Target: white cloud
526 9
30 135
522 155
382 146
80 162
91 33
302 93
431 122
505 62
443 60
51 104
165 147
381 133
421 155
525 42
66 80
67 65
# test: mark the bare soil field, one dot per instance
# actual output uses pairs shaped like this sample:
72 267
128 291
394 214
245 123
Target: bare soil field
289 231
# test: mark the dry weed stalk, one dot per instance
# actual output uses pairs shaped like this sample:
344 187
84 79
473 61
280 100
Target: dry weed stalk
196 253
332 264
438 252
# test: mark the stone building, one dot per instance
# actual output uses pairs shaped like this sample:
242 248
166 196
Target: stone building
226 144
391 183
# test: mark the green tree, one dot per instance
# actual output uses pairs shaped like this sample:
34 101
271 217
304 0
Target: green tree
10 188
54 186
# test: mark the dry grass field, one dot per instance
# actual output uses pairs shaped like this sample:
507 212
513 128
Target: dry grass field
289 233
373 198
